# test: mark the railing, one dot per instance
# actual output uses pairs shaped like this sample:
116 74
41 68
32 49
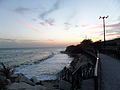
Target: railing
83 72
97 74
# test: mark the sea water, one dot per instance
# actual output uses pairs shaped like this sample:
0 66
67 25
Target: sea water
44 62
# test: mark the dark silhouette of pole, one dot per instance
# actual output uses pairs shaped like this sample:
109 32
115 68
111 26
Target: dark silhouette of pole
104 26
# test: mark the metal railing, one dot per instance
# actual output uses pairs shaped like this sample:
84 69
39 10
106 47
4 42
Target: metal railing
83 72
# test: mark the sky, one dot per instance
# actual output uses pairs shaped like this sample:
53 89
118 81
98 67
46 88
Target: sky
38 23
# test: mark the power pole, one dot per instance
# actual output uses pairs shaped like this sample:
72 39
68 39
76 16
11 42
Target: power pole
104 17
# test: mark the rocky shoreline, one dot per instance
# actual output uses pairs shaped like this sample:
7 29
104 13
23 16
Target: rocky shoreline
82 66
11 81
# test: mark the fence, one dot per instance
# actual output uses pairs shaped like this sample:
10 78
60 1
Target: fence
83 72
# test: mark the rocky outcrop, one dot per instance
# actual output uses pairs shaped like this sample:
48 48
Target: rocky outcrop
24 86
34 80
11 81
21 78
85 45
73 49
21 82
2 79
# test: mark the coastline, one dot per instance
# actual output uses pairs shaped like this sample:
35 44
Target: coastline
11 81
80 59
81 70
19 79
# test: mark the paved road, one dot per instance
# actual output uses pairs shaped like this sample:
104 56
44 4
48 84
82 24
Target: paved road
110 73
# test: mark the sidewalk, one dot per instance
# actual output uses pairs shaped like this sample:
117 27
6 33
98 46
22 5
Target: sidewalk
87 85
110 73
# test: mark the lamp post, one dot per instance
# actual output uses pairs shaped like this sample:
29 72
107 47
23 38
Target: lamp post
104 17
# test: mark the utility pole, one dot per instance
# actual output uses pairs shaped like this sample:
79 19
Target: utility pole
104 17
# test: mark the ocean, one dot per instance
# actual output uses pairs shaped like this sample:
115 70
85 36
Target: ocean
44 63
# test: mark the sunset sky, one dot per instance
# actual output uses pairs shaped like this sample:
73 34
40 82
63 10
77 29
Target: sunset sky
26 23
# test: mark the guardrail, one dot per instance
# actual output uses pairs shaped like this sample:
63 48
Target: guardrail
97 73
83 72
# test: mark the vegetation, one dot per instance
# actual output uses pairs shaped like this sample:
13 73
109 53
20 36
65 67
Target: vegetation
5 75
6 71
85 45
111 47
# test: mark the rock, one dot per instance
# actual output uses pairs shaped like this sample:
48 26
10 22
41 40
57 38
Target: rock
2 79
39 83
73 49
1 73
22 78
70 48
8 81
24 86
34 80
14 77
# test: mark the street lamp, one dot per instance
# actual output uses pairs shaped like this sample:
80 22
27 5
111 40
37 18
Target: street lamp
104 17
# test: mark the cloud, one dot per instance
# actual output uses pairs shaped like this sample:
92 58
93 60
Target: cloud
47 23
54 7
22 10
50 21
34 19
115 28
28 25
51 24
113 31
113 25
42 23
8 40
117 25
85 25
50 40
67 25
16 43
76 26
113 34
44 15
118 18
5 43
22 41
